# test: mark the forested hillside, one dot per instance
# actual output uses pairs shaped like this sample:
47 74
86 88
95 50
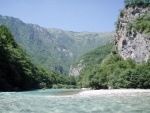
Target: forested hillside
127 65
88 60
18 73
114 72
53 48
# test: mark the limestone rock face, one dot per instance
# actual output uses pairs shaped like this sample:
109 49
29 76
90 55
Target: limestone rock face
75 71
134 45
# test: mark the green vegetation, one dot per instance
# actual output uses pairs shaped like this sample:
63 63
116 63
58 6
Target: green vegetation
96 56
91 60
129 28
53 48
121 13
115 72
57 49
18 73
117 25
134 3
141 24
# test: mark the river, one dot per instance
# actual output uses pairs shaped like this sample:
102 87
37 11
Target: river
62 101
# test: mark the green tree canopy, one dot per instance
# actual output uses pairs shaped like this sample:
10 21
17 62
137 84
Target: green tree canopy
129 2
18 73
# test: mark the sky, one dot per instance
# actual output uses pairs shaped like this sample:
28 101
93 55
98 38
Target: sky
72 15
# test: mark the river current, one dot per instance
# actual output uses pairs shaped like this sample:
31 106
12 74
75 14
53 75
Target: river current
62 101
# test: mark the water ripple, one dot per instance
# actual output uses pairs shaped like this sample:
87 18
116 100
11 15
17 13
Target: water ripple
46 102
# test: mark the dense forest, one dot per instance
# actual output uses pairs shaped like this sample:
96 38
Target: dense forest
114 72
18 73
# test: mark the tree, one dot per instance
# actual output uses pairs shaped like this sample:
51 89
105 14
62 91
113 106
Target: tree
129 2
17 72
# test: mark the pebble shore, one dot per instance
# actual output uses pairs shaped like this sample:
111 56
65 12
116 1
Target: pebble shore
113 92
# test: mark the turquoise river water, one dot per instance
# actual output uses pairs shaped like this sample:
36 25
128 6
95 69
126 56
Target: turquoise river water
58 101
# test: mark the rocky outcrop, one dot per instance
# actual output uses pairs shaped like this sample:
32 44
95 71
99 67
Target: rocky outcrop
134 45
75 71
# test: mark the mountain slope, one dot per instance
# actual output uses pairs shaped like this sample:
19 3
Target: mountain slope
90 59
53 48
128 65
17 72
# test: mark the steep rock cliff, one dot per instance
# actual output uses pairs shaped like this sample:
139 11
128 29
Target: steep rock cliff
131 43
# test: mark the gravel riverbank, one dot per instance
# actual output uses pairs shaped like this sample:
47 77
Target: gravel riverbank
113 91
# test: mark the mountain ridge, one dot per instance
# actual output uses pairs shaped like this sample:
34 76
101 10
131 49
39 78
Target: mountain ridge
53 48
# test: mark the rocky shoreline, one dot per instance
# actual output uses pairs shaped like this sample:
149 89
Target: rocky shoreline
113 92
